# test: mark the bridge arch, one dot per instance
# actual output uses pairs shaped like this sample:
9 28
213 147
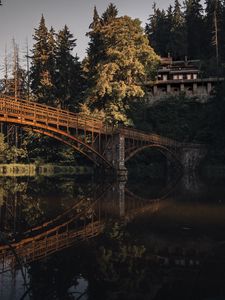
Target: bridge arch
65 138
166 152
57 124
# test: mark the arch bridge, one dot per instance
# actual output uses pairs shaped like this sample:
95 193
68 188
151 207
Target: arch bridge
106 146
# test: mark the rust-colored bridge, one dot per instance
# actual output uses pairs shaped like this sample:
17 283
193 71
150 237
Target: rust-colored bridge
106 146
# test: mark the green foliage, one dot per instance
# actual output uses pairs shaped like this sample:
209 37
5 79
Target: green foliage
119 59
120 265
166 31
158 30
55 73
195 28
177 117
177 44
10 154
110 14
189 31
43 66
214 9
68 71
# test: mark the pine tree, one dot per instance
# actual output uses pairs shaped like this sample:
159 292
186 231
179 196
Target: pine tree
68 74
178 45
125 61
195 28
167 31
42 66
169 18
95 52
110 14
158 31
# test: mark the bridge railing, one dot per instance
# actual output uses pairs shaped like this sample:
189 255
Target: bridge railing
28 110
150 137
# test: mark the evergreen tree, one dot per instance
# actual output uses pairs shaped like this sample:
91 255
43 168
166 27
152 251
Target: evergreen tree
95 51
110 14
195 28
169 17
167 31
42 68
68 71
177 46
213 28
125 59
158 31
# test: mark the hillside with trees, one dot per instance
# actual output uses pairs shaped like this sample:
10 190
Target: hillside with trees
190 30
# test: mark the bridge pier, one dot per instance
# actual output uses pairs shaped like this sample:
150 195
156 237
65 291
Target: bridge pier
121 170
191 156
116 155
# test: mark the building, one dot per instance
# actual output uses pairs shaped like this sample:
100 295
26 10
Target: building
175 77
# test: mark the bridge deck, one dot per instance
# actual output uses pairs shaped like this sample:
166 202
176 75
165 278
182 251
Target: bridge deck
24 112
90 136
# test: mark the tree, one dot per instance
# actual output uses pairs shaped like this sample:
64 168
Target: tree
195 28
43 65
95 51
116 75
68 70
214 29
178 46
10 154
110 14
158 31
167 31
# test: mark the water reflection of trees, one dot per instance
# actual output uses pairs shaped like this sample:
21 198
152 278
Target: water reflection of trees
115 267
118 264
25 203
121 267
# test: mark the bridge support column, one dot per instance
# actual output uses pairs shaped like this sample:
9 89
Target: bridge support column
119 157
116 155
191 156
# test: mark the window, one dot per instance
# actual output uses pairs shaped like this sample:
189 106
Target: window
164 77
194 76
175 77
189 76
180 76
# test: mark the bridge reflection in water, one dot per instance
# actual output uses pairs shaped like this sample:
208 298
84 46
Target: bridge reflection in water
84 220
181 231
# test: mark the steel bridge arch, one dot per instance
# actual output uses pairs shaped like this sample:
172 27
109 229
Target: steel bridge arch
62 136
166 152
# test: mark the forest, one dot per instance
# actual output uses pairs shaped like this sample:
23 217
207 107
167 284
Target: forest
110 81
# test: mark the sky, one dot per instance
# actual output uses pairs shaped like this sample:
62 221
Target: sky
18 18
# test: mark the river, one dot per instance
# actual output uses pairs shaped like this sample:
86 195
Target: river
88 240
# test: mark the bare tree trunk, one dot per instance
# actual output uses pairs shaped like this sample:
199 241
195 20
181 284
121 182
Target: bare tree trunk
28 72
215 41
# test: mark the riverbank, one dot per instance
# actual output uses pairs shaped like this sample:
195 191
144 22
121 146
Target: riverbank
20 170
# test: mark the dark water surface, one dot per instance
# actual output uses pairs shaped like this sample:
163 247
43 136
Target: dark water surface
159 239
